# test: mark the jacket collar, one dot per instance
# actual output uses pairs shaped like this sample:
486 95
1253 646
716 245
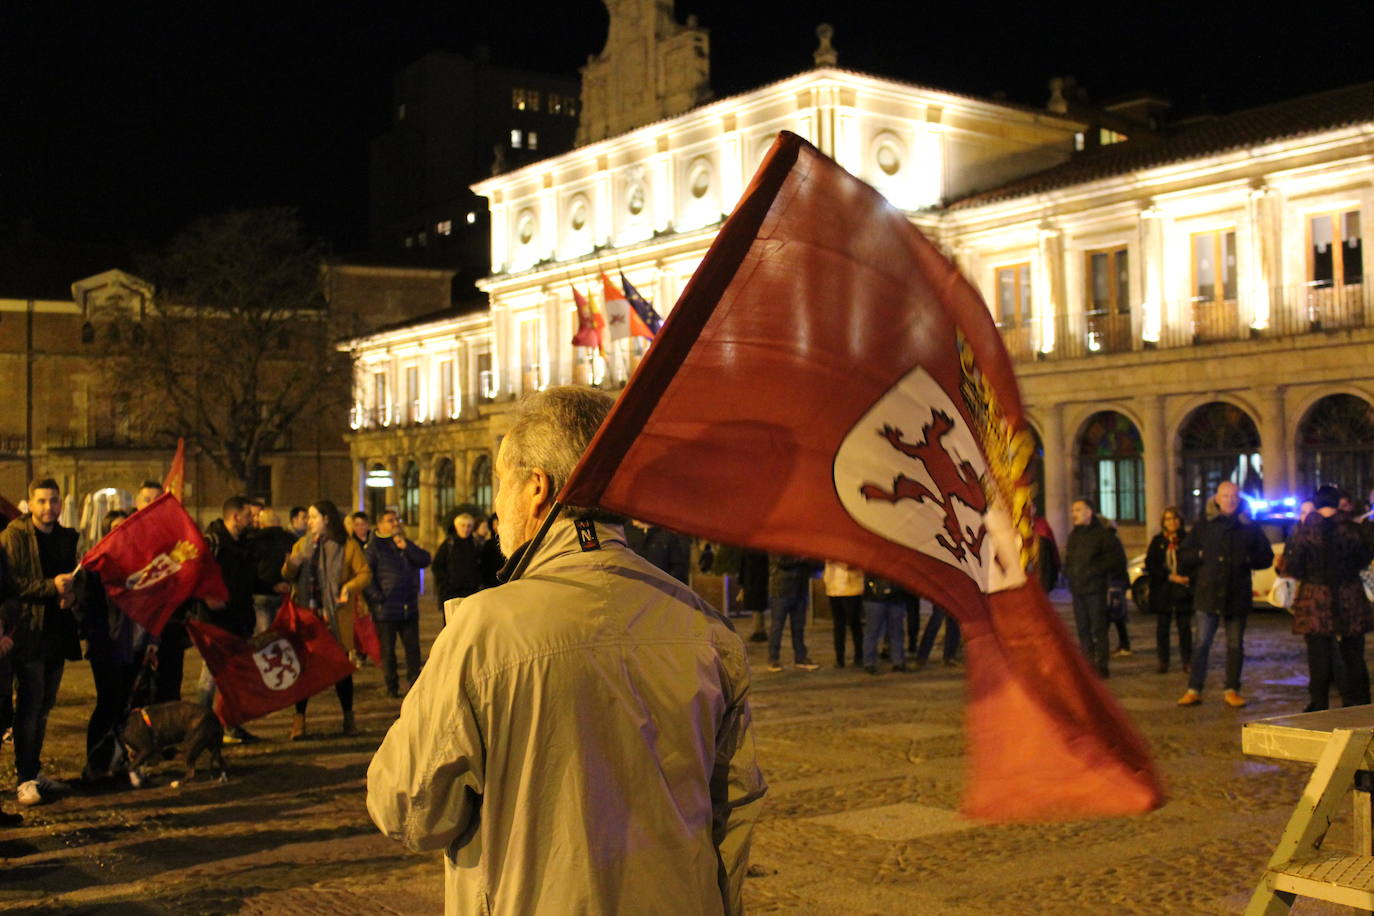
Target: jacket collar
562 539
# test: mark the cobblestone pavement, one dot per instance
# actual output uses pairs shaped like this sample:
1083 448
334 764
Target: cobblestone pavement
865 775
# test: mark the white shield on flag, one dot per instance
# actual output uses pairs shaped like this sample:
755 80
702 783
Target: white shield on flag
278 664
911 471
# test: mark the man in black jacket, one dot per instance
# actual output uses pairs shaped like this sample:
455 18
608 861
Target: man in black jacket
394 594
228 540
1220 556
41 555
1093 558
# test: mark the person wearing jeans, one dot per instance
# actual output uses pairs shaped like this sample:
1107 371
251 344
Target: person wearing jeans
41 555
1218 557
394 595
885 606
789 584
939 615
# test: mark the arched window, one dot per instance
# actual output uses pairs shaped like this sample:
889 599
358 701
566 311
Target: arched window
1218 442
445 490
481 482
1111 469
1336 445
410 495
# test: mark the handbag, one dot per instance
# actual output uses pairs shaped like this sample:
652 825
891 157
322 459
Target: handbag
1284 590
1367 580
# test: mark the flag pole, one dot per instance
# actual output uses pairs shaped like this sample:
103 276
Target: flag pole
536 541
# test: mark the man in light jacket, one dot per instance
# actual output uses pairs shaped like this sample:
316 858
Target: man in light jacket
580 739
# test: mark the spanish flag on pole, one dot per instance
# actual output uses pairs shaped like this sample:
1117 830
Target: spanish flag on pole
624 320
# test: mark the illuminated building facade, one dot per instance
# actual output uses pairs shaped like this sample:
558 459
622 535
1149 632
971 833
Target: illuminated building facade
1184 304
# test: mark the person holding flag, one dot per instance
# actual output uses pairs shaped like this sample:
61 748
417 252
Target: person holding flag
41 555
328 573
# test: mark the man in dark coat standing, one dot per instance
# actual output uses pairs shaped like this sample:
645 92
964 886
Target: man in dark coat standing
1093 558
1219 556
458 563
396 562
228 540
41 555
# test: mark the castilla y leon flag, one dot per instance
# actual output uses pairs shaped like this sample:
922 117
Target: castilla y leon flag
624 320
153 561
588 327
879 424
293 659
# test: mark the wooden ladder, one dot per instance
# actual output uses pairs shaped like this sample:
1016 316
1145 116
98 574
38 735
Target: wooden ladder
1298 866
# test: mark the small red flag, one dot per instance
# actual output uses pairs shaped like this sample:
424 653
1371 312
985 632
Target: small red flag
175 481
588 333
155 560
883 428
292 660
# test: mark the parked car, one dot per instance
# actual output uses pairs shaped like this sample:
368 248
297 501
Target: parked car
1276 517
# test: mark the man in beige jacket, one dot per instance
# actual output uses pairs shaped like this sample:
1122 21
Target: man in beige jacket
579 740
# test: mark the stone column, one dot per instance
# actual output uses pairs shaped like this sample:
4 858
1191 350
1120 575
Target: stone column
428 520
1158 464
1154 307
1273 442
1047 279
1055 501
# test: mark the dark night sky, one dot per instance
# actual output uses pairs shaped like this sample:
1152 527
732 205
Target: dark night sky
124 121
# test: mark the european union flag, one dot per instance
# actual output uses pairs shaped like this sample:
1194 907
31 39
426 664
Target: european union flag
642 308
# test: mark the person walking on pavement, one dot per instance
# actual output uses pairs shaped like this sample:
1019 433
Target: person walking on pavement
41 555
1171 595
789 586
885 606
1326 554
1092 559
844 586
1220 556
396 561
950 654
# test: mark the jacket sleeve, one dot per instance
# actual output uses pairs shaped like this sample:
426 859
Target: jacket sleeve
1117 573
417 555
294 557
25 587
1261 552
425 782
361 573
441 567
737 789
1190 551
1155 567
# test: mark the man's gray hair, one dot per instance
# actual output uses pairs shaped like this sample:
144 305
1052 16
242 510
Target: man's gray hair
551 430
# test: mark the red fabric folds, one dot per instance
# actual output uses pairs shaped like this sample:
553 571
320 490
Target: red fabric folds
153 561
872 417
292 660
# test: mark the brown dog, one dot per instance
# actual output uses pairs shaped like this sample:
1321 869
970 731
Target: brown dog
151 732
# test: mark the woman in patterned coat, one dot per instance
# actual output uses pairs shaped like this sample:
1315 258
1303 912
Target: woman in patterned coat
1325 554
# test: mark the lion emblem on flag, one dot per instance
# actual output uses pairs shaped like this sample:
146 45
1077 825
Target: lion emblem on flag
162 566
912 471
278 664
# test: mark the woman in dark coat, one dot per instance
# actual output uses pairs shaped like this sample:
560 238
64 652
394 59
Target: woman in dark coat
1325 554
1171 594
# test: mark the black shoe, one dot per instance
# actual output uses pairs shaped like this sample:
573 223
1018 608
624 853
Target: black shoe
394 692
9 819
871 669
839 663
758 637
243 735
901 667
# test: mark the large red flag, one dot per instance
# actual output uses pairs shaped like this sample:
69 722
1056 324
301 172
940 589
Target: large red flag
878 423
295 658
153 561
175 482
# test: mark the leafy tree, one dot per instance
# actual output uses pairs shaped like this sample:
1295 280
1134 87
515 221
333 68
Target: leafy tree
237 347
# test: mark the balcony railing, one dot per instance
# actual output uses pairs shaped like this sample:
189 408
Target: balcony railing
1290 311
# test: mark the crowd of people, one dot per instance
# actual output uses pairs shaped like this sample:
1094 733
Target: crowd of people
349 572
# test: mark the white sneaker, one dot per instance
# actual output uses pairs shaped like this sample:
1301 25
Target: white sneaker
28 794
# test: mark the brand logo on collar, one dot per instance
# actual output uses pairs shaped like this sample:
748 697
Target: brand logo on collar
586 534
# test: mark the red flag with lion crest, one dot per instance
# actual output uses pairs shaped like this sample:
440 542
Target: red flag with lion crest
877 422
